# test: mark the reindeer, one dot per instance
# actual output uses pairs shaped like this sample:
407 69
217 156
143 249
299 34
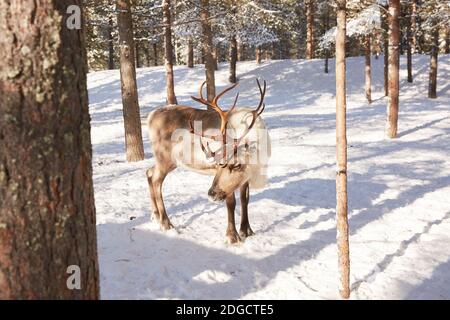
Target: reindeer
229 163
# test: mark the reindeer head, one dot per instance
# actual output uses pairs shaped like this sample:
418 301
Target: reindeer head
233 168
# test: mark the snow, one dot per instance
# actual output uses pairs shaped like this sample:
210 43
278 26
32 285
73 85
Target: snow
399 209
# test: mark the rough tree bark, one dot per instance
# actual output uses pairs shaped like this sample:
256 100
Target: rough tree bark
110 45
309 29
394 37
432 86
208 50
168 53
136 52
341 154
233 59
190 50
216 56
47 212
131 114
368 71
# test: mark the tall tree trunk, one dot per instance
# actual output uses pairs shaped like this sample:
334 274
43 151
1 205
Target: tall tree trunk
216 56
368 71
385 27
233 59
447 40
47 212
190 53
110 45
341 154
136 49
409 51
413 23
327 27
147 54
168 53
258 54
155 54
394 34
432 87
208 50
310 29
131 113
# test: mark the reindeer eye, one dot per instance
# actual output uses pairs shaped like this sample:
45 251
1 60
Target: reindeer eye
237 166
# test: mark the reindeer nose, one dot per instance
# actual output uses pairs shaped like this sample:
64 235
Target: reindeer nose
211 193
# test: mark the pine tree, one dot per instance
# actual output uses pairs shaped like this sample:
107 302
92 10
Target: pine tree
47 212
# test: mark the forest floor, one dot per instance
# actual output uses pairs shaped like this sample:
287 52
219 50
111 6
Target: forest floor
399 204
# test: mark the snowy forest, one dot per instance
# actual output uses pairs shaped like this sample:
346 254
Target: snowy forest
225 149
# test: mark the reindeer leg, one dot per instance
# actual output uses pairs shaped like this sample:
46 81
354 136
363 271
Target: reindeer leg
157 180
152 194
245 229
232 235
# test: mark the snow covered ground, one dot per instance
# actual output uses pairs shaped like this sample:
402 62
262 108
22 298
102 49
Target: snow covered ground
399 204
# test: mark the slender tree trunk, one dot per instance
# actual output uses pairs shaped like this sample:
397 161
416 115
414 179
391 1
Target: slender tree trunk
138 60
413 22
168 53
48 244
447 41
394 34
258 54
216 56
190 53
309 29
327 27
385 27
409 51
147 54
233 59
155 54
368 71
110 45
131 113
208 50
432 87
341 154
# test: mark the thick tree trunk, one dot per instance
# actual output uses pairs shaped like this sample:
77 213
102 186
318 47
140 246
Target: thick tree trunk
131 113
368 71
341 154
155 54
394 34
258 54
110 45
309 29
47 212
190 49
327 57
432 87
168 53
147 54
233 59
208 50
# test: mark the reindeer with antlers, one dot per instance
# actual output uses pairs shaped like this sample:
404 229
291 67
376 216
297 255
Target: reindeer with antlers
241 151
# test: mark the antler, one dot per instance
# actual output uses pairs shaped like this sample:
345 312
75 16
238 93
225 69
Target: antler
255 113
224 120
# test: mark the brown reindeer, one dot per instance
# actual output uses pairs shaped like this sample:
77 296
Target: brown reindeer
237 163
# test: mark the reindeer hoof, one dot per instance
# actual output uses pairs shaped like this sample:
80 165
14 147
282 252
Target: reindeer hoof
233 238
246 232
166 225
